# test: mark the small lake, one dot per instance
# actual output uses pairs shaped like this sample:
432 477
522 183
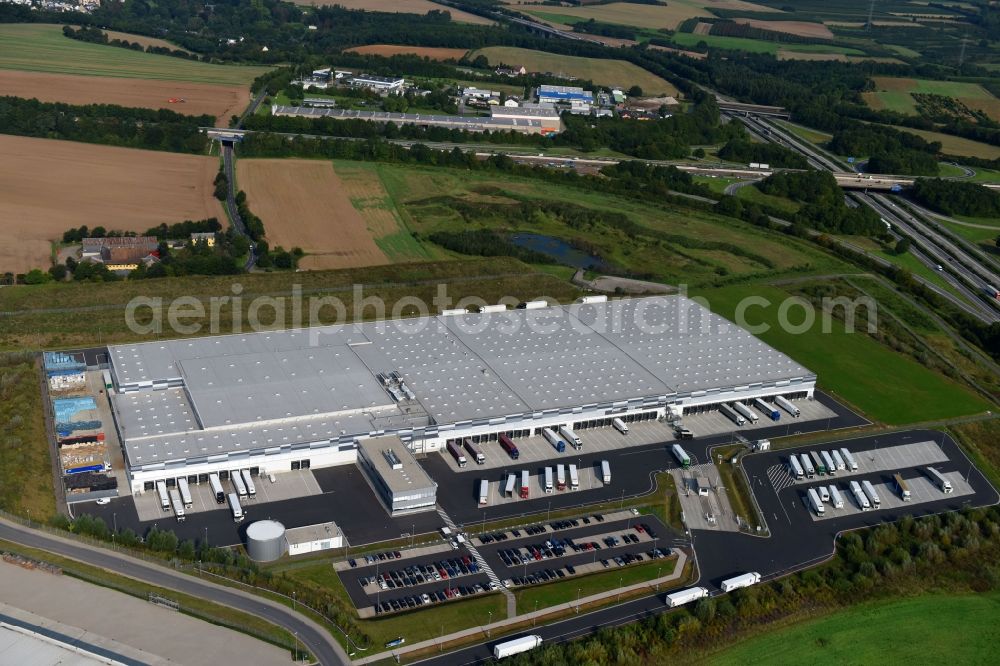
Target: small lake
561 251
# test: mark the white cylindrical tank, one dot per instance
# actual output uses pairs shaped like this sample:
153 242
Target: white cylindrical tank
266 541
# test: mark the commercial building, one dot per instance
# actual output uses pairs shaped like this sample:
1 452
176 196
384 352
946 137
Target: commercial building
466 123
395 476
379 83
577 99
313 538
280 400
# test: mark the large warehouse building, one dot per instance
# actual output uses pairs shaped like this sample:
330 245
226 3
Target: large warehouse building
281 400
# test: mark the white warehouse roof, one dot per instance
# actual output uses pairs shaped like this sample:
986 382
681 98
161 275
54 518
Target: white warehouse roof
205 397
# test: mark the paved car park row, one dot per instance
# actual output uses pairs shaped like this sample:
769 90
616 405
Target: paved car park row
412 575
416 598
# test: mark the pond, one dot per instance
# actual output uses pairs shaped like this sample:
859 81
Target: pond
561 251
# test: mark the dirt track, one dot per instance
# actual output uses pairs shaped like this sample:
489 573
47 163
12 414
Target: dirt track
48 186
218 101
304 204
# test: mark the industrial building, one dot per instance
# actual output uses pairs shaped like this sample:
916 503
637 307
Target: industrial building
296 399
577 99
378 83
529 125
395 476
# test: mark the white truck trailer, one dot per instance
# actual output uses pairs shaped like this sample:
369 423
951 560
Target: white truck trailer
571 437
743 580
161 490
548 479
682 597
620 426
872 495
516 646
560 477
838 460
836 499
683 459
484 492
555 440
794 468
220 494
807 466
939 480
815 502
787 406
767 409
860 497
831 466
574 478
508 490
731 414
818 463
606 472
182 486
248 482
178 503
234 506
902 487
746 412
849 460
237 480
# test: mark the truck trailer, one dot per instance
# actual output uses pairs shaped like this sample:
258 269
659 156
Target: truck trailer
767 409
682 597
574 478
248 482
818 463
746 412
548 479
568 435
182 486
474 451
237 480
554 439
870 491
516 646
860 497
902 487
484 492
849 460
235 508
161 489
620 426
683 459
508 490
743 580
525 489
835 497
831 467
807 465
939 479
838 460
815 502
178 504
731 414
794 468
606 472
560 477
508 445
456 453
220 494
787 406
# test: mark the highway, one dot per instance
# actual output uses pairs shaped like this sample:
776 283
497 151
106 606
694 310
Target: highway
316 639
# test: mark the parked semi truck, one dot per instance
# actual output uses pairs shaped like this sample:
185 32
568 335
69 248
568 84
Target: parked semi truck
554 439
216 484
902 487
508 445
620 426
574 478
508 490
606 472
161 489
474 451
838 460
516 646
484 492
767 409
831 467
835 498
939 479
794 468
456 453
818 463
731 414
182 486
787 406
248 482
849 460
870 491
682 457
746 412
807 465
525 489
571 437
744 580
237 480
682 597
560 477
860 497
548 479
178 504
815 502
235 508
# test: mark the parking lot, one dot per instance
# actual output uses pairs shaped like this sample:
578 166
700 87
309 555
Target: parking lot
922 489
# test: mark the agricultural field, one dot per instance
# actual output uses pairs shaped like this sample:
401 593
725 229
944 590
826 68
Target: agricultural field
48 186
896 94
387 50
304 204
886 385
144 40
800 28
198 98
668 15
760 45
956 145
31 47
603 72
930 628
785 54
400 7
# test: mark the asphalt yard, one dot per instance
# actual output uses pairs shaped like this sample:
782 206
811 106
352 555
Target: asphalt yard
922 489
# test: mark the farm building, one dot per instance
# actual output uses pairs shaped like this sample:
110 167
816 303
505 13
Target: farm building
206 237
123 253
511 71
295 399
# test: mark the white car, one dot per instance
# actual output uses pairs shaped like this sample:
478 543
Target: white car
104 500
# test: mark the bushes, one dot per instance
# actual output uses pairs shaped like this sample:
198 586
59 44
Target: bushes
486 243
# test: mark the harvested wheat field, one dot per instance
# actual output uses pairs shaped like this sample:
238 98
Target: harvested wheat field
200 98
400 7
388 50
800 28
48 186
143 40
303 204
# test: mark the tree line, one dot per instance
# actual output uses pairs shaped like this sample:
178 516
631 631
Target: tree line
824 208
956 197
744 150
98 36
162 231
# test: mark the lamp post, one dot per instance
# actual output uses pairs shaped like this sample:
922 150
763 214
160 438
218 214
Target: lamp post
620 588
578 600
488 623
533 617
413 529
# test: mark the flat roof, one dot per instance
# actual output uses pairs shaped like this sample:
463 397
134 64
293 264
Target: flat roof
473 123
408 475
203 397
40 650
310 533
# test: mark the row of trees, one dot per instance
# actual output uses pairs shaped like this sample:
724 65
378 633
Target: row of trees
956 197
162 231
98 36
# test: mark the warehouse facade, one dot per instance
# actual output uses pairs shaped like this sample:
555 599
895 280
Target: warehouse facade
296 399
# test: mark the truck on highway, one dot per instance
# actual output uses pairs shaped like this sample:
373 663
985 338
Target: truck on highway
746 412
606 472
571 437
525 489
818 463
939 479
731 414
574 478
248 482
902 487
560 477
548 479
815 502
787 406
807 466
554 439
838 460
831 467
216 484
161 489
178 504
682 597
182 486
743 580
991 292
237 480
516 646
794 468
508 489
860 497
767 409
508 445
835 497
235 508
484 492
456 453
474 451
683 459
849 460
870 491
620 426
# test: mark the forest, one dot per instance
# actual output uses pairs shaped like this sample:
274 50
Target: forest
744 150
955 197
824 207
